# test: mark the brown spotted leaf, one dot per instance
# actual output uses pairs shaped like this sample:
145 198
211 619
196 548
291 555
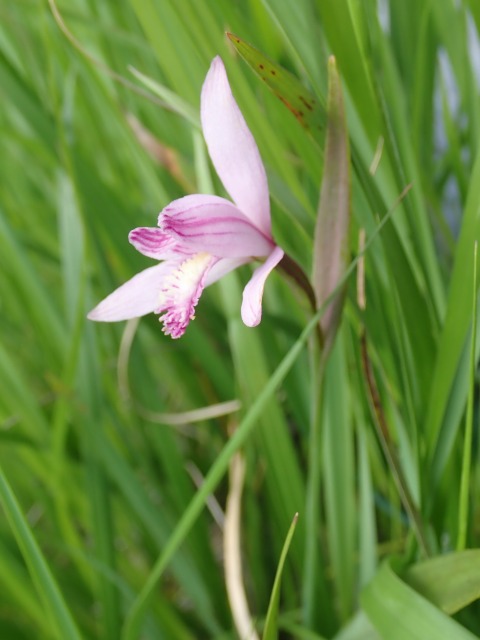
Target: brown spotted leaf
301 102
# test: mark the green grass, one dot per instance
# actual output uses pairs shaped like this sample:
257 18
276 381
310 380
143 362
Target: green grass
111 512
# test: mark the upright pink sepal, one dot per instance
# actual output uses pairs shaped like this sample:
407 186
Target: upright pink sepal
233 149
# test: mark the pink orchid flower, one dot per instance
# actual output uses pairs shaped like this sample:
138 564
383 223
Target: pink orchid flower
200 238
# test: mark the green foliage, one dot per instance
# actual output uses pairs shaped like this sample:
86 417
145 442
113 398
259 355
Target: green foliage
111 498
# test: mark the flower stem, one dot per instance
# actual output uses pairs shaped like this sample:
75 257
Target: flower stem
314 586
289 266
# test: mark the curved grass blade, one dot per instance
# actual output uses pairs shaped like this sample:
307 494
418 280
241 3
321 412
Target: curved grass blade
172 101
45 584
302 103
271 631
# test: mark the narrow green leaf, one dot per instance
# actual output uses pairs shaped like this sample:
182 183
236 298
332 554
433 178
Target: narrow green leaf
17 590
301 102
458 314
314 587
166 29
271 629
366 508
457 319
343 25
330 254
338 478
172 101
467 444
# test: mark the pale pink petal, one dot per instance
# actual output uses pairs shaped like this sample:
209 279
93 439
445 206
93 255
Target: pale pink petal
180 293
222 267
191 201
153 242
135 298
233 149
253 292
217 227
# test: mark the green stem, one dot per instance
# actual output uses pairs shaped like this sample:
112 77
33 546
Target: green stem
314 587
296 273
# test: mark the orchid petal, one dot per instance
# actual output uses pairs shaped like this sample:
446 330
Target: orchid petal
180 293
189 202
217 227
222 267
253 292
233 149
153 242
135 298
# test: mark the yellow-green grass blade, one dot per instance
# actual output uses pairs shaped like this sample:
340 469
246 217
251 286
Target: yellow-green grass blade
457 319
464 516
270 631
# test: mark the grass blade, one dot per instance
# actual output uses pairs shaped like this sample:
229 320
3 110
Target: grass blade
45 583
463 515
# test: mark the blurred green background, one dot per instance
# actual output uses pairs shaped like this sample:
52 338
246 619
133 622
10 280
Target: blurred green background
98 461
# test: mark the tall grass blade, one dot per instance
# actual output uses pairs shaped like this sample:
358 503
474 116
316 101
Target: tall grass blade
46 585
